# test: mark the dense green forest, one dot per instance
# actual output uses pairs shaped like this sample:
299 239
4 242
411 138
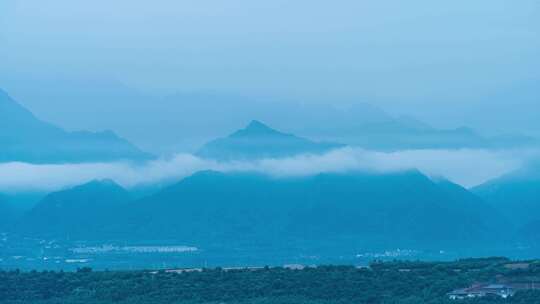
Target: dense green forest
385 283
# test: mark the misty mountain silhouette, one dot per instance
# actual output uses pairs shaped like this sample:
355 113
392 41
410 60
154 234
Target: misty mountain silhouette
408 133
83 211
258 141
25 138
517 196
404 208
357 124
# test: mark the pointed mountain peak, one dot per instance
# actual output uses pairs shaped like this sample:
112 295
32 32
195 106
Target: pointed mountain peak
256 125
257 129
259 141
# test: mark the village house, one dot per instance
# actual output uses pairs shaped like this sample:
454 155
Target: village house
482 290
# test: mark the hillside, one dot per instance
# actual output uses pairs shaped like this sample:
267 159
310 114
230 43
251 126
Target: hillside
86 211
351 209
25 138
516 195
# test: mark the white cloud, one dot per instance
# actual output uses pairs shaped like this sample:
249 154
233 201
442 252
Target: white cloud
467 167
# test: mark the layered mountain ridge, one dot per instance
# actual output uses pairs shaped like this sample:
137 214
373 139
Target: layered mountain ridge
25 138
401 208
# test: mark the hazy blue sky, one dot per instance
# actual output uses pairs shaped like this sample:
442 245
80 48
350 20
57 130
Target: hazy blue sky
102 64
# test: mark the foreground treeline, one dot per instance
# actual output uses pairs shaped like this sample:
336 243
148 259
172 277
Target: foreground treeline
394 282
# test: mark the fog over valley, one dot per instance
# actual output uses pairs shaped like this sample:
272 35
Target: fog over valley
466 167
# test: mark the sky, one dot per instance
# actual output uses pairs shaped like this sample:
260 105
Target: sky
115 64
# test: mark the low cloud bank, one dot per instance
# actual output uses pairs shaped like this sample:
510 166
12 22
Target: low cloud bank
466 167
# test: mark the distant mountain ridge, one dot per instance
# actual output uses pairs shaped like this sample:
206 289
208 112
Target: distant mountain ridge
357 124
25 138
28 139
258 141
409 133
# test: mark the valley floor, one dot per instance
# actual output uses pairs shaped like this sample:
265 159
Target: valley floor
39 254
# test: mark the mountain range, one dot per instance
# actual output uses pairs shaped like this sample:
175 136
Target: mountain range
380 133
355 208
404 208
404 133
258 141
25 138
359 124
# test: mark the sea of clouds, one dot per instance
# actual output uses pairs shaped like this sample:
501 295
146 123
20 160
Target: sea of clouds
466 167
